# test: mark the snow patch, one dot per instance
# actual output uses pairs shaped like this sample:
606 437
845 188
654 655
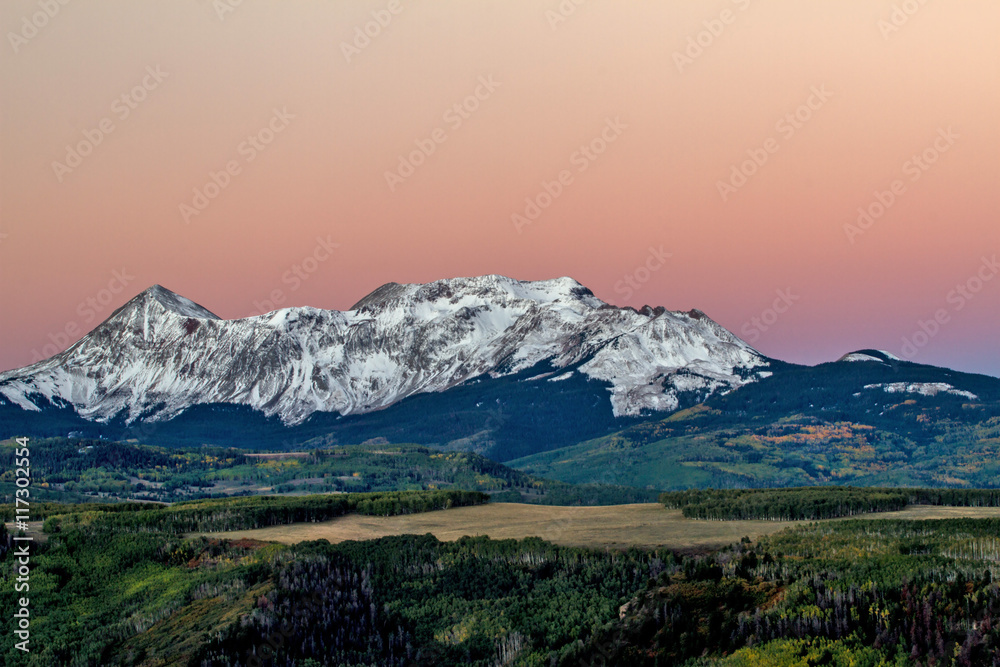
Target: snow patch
857 356
922 388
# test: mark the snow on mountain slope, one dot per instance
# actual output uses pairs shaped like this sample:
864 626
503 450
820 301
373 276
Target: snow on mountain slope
858 356
161 353
922 388
880 356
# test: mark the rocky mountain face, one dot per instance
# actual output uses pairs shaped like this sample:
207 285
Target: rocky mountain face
161 354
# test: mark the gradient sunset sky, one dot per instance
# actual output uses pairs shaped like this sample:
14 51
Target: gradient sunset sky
738 137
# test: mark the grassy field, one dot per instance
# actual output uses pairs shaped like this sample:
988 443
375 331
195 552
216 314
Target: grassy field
616 526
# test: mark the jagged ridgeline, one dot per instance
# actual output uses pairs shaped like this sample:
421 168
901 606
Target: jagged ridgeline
501 366
816 502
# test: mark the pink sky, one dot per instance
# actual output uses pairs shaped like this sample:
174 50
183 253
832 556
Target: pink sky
675 119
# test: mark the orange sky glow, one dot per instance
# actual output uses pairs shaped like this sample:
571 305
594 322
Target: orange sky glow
817 176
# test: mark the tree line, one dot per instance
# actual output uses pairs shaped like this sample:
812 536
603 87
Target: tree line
259 511
816 502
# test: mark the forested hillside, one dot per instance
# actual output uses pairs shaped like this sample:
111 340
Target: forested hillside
81 469
860 592
854 592
883 439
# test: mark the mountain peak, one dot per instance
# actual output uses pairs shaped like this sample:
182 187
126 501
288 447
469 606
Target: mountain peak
488 287
379 295
175 303
880 356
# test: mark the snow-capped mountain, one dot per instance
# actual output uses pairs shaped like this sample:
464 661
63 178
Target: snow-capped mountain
879 356
161 353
